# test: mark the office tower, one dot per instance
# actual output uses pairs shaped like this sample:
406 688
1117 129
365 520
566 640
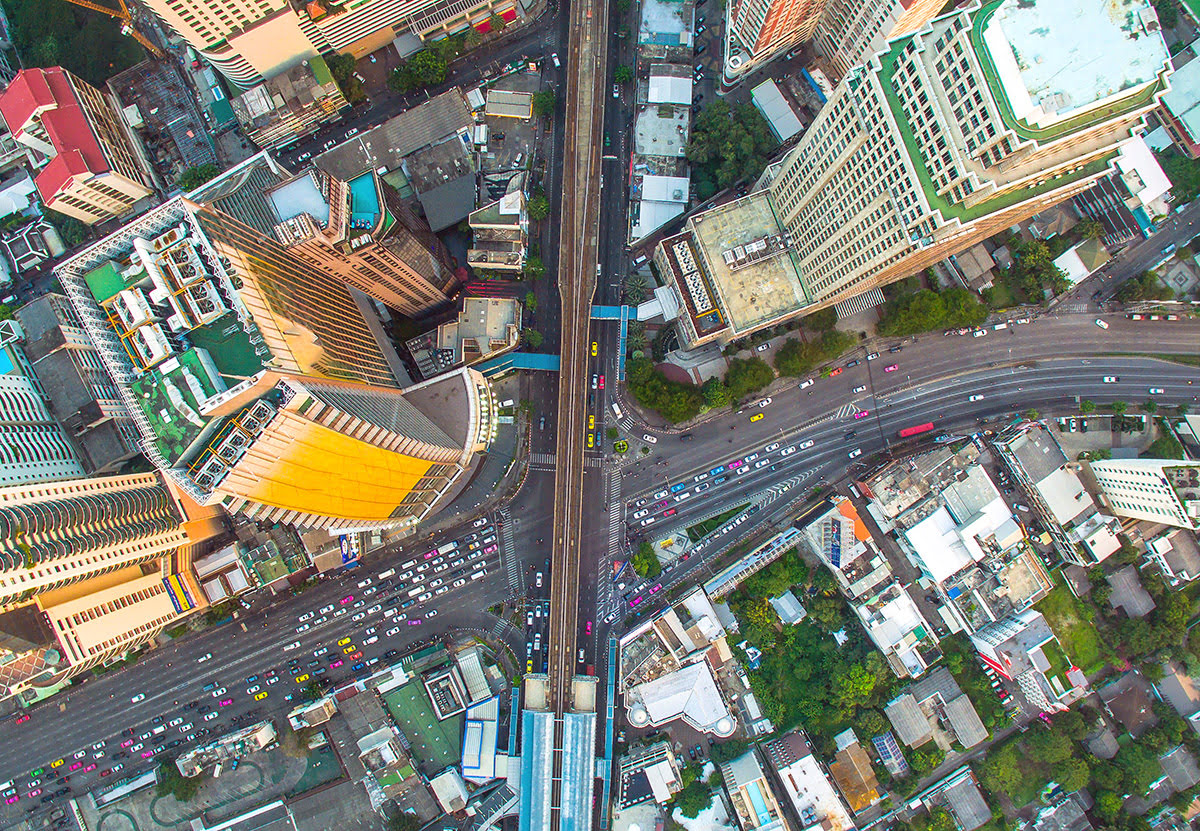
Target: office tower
249 40
960 130
358 230
95 170
761 29
89 570
78 389
972 124
1155 490
257 382
33 447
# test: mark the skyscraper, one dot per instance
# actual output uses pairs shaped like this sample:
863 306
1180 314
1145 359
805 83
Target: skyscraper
33 447
96 171
955 132
257 381
249 40
89 569
1154 490
359 230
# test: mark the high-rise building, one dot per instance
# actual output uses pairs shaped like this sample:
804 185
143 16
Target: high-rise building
846 32
249 40
358 230
1155 490
750 791
95 170
78 389
257 381
89 570
959 130
1023 648
33 447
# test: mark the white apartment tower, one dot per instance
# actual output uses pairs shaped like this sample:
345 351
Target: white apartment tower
973 123
1155 490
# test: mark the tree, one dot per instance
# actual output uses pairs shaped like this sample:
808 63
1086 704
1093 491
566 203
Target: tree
729 143
795 357
1072 724
532 338
1089 228
870 723
472 38
172 782
1168 15
544 103
1049 746
1087 406
423 69
1108 805
853 687
1144 286
645 562
925 759
1031 414
6 312
194 177
693 799
623 74
539 207
635 289
672 400
1119 407
1140 766
341 67
746 376
612 433
1165 446
496 23
715 393
1151 406
820 321
534 268
1000 772
531 301
1072 774
403 821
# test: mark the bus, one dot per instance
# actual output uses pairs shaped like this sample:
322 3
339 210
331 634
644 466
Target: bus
916 430
447 548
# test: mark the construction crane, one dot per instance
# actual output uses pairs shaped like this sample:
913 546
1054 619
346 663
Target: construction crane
127 23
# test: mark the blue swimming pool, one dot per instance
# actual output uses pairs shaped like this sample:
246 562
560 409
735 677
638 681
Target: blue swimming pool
364 201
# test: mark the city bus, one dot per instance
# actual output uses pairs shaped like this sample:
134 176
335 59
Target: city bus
916 430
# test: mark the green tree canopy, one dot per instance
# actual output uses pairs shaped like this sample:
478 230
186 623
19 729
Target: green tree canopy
534 269
728 144
645 562
746 376
715 393
539 207
926 311
544 102
194 177
672 400
796 357
423 69
532 337
693 799
1143 286
623 74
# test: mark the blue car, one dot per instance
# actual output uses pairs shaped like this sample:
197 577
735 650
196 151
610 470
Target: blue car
716 470
678 488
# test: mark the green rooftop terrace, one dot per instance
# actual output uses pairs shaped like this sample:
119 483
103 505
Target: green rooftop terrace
105 281
227 343
176 420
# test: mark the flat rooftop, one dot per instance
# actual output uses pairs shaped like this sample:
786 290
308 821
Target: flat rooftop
300 196
662 130
764 285
1112 47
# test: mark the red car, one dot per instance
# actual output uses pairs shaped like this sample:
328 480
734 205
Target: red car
90 768
836 372
346 599
862 414
34 792
669 512
106 772
126 743
336 664
75 766
356 656
146 754
21 719
601 382
891 368
225 702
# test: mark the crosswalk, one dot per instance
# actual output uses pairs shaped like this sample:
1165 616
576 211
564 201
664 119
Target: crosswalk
606 602
845 411
508 554
542 461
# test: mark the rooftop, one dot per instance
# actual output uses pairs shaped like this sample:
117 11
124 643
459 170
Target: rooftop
1183 99
662 130
690 694
1130 701
967 804
1128 593
753 270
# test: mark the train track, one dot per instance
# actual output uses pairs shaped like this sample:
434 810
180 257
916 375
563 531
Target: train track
578 235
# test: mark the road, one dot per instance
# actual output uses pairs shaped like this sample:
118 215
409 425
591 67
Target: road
256 644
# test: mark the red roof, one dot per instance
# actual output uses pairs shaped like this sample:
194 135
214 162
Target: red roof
78 151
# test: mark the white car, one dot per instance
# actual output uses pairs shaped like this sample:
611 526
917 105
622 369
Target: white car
1110 379
975 398
184 728
479 523
646 437
304 627
175 722
1102 324
529 618
1157 390
641 513
859 389
395 630
762 347
806 384
855 453
872 356
537 580
979 333
211 716
375 609
422 598
805 445
218 692
254 689
459 582
291 646
327 609
359 616
765 402
660 494
771 448
203 658
648 521
442 590
371 640
787 451
306 616
431 613
137 698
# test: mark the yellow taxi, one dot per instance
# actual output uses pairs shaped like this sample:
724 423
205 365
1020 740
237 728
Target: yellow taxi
757 417
529 665
347 650
300 679
261 696
344 641
591 421
595 349
591 439
57 763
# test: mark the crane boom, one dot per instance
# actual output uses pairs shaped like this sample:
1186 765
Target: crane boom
127 25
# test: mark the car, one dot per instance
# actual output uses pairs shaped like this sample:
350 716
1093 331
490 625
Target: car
537 580
616 91
853 363
175 722
806 384
979 333
12 800
974 398
641 513
356 656
479 523
648 521
375 609
872 356
591 421
291 646
347 599
459 582
595 348
891 368
306 616
261 696
395 630
860 388
253 690
1110 379
204 658
787 451
587 630
137 698
833 373
211 716
303 628
855 453
185 728
326 609
358 604
806 444
757 417
669 512
371 640
75 766
225 702
861 414
426 596
601 382
1102 324
762 347
347 650
1157 390
491 549
300 679
896 349
765 402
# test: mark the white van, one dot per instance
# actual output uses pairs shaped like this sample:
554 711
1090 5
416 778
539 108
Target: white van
616 408
383 575
479 575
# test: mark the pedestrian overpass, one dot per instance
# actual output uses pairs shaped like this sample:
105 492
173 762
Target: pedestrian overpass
511 361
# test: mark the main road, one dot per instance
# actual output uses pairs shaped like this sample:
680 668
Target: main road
577 264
